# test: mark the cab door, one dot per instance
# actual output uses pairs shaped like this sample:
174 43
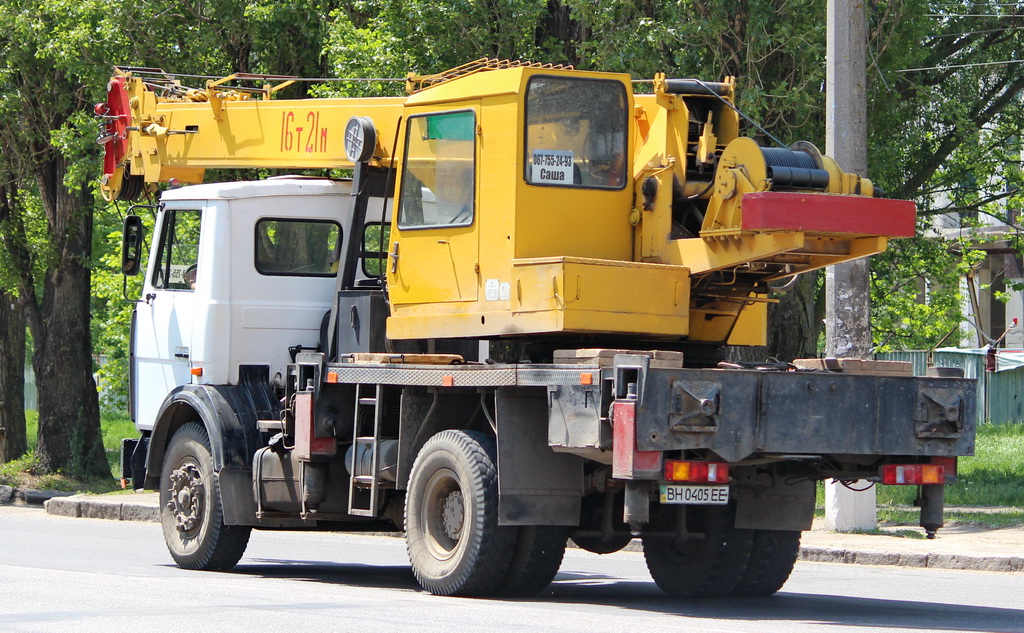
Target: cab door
434 237
163 320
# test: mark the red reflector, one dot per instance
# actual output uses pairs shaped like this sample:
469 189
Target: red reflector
913 474
697 472
448 380
332 376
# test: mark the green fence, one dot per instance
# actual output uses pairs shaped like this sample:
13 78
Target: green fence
31 397
1000 393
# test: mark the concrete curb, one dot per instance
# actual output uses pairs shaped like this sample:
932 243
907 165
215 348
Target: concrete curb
90 507
931 560
85 508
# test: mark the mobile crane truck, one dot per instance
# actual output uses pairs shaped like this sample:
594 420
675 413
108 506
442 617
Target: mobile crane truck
504 330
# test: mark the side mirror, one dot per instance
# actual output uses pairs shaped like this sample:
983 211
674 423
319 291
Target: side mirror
131 245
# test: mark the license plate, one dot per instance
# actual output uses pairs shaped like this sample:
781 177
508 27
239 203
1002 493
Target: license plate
696 495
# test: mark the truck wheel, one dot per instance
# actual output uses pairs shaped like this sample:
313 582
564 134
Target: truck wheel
190 506
772 558
537 557
451 516
708 567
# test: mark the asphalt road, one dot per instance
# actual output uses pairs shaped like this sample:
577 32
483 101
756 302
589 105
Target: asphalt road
60 574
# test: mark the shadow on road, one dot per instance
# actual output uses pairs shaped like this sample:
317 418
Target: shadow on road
807 609
354 574
581 588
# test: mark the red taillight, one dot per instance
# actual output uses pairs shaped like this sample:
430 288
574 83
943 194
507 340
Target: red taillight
948 467
697 472
913 474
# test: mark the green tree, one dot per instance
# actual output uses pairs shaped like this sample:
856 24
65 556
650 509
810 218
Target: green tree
47 84
946 126
214 38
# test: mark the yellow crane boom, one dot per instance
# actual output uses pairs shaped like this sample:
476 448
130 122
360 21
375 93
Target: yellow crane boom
532 199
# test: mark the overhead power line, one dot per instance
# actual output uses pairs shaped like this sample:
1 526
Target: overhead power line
980 32
973 15
951 66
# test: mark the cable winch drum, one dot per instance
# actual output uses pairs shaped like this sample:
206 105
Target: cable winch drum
795 167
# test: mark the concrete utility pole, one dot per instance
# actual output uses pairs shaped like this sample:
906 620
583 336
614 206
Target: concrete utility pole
847 295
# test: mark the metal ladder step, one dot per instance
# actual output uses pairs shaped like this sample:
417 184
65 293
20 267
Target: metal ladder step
366 485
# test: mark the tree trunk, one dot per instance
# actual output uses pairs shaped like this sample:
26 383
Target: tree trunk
794 324
13 440
559 25
69 420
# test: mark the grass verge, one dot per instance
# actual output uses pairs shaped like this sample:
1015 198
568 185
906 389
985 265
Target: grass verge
992 478
960 516
24 472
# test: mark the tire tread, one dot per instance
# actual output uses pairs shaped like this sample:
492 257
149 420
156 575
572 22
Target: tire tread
772 558
538 555
715 566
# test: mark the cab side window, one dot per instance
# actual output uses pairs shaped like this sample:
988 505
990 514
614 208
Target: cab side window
297 248
575 133
439 171
178 257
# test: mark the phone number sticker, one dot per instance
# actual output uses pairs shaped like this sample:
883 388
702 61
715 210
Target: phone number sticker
551 166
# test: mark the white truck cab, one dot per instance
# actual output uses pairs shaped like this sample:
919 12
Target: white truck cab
238 273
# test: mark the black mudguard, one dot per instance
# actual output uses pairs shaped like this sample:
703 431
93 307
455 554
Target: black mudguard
229 414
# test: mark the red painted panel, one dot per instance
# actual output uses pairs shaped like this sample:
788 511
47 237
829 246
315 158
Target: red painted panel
117 106
307 445
627 462
828 213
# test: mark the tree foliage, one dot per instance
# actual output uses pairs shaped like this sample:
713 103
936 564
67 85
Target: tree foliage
946 127
944 117
49 226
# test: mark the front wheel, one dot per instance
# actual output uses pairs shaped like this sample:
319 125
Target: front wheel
451 516
190 506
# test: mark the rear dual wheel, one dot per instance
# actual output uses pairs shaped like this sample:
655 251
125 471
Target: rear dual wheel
537 557
699 568
773 554
453 539
452 535
727 561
